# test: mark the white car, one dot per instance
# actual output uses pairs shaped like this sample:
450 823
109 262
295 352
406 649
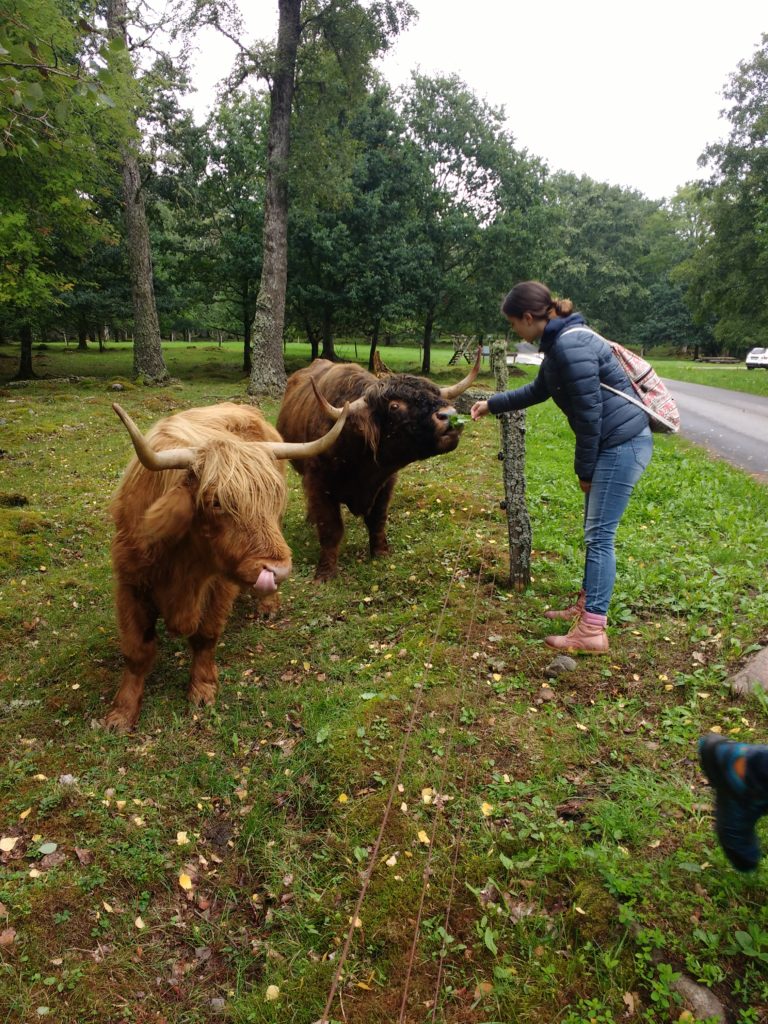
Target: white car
757 357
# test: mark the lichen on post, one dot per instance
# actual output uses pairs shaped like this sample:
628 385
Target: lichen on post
512 457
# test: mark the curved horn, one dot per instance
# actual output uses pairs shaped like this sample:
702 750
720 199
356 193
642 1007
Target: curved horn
456 389
171 458
333 411
306 449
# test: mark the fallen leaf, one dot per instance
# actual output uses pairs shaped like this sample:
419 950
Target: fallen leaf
25 814
423 837
426 795
391 861
182 838
272 993
139 923
7 843
7 936
47 848
342 798
487 809
185 881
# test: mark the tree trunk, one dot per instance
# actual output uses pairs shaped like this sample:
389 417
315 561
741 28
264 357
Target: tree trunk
82 336
374 343
246 335
268 370
25 359
312 338
148 361
426 361
329 352
513 472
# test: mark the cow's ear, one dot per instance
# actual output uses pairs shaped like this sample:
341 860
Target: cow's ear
169 516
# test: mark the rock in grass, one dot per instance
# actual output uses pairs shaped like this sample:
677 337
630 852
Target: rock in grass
559 666
753 675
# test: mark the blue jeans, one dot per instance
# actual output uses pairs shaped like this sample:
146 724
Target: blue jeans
616 473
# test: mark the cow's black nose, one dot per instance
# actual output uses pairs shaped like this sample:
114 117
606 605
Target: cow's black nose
442 415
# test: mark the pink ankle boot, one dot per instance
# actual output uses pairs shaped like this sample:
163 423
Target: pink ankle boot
587 636
568 613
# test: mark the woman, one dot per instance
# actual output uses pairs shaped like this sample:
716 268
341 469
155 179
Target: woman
613 440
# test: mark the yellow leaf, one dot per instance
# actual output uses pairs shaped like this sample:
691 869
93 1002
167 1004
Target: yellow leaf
404 807
185 881
655 844
581 728
342 798
715 728
487 809
139 923
25 814
579 910
7 843
182 838
361 984
119 804
391 861
272 993
423 837
426 794
357 923
34 873
106 906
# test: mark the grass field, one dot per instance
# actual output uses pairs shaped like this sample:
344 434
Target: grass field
548 853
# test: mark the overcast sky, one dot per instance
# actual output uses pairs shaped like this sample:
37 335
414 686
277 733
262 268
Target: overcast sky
628 94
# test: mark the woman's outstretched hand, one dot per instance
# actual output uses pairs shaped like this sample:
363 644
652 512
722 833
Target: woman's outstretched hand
479 409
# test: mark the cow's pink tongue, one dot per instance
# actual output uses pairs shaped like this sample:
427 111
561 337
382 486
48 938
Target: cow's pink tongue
265 584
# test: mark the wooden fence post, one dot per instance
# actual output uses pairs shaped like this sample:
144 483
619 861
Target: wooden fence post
512 458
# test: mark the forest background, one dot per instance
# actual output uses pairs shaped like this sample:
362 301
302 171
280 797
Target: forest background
407 212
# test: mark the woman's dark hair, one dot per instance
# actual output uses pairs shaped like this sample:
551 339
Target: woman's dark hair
535 298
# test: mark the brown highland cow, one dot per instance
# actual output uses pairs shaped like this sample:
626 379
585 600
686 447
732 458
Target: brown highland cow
392 422
198 518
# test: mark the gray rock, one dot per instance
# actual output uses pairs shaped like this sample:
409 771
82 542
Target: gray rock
703 1003
559 666
753 675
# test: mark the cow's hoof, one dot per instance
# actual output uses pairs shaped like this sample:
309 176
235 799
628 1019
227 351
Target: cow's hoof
202 693
324 573
381 551
120 721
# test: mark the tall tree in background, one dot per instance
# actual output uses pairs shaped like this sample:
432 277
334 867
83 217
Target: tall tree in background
148 362
727 274
53 146
267 369
355 33
471 181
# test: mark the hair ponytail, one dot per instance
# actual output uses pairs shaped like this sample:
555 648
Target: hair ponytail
535 298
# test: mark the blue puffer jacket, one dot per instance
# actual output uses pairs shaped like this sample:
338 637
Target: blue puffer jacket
570 374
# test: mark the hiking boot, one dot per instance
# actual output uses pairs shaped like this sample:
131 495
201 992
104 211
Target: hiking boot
587 636
739 803
568 613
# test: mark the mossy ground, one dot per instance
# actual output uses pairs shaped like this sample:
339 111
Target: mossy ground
560 825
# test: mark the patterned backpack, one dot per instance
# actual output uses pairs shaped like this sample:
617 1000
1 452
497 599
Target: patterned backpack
653 396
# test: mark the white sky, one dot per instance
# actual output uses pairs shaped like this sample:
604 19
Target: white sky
628 94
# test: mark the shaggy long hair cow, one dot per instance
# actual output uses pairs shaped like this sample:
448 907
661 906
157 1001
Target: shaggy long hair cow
197 519
392 422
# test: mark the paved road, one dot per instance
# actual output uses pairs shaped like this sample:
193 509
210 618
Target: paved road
729 423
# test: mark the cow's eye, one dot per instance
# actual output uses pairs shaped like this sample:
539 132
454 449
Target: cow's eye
395 406
216 505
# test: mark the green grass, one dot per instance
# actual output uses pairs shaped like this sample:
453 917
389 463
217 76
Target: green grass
579 826
733 376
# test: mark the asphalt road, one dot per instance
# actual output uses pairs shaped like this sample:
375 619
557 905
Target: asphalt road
730 424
